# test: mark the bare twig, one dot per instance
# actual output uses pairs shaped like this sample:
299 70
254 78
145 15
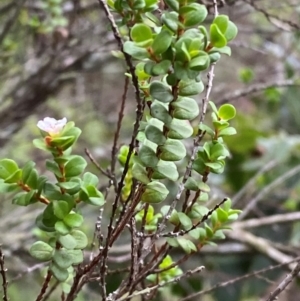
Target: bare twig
3 271
45 286
256 88
274 19
119 123
51 290
284 283
161 284
278 181
139 114
268 220
270 165
92 159
259 244
237 279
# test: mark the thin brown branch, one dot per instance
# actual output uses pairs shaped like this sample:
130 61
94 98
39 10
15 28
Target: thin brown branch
284 283
259 244
119 124
92 159
269 220
162 284
278 181
274 19
256 88
44 286
237 279
3 271
51 290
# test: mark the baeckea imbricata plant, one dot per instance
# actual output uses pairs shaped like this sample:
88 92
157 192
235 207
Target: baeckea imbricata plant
167 50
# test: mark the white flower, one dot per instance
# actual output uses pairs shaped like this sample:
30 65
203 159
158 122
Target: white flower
51 125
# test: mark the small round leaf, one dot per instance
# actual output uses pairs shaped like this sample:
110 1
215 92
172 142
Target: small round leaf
41 251
227 112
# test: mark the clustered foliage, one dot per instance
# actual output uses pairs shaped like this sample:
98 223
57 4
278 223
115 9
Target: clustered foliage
172 50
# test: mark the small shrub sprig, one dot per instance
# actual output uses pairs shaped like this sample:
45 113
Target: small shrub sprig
172 50
60 218
171 47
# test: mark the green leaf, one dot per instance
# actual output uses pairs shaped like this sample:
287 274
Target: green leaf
73 220
7 168
222 215
40 144
155 192
141 34
60 274
75 166
200 62
68 241
223 50
193 14
219 235
174 4
24 198
185 221
77 256
63 143
41 225
162 42
203 187
218 152
231 31
165 170
185 108
6 187
30 175
62 228
227 132
159 111
209 231
191 184
161 68
186 245
90 179
141 72
161 92
148 156
53 167
91 195
170 19
61 209
72 187
198 211
222 22
172 242
62 258
41 251
180 129
155 135
227 112
15 177
135 51
172 150
214 57
217 39
190 87
80 238
139 173
205 128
